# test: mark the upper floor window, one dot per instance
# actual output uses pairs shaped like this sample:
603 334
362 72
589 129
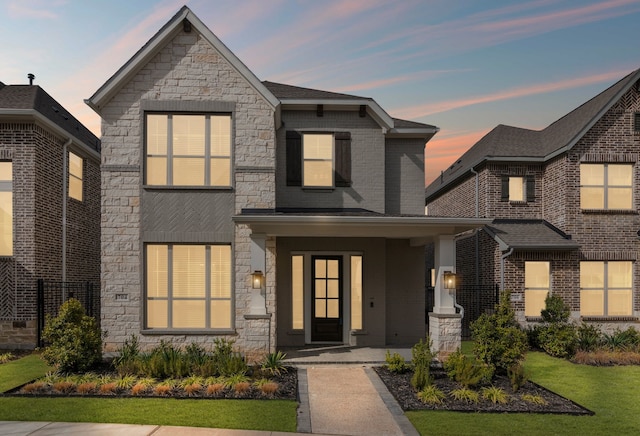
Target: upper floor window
6 208
606 288
318 160
606 186
518 188
75 176
188 150
536 287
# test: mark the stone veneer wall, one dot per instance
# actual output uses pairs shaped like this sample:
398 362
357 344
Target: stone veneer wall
186 69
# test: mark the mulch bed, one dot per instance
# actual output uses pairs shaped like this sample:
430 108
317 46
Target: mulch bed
400 387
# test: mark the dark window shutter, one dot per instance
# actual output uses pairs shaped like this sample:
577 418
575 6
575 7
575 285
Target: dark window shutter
505 189
294 159
343 159
531 188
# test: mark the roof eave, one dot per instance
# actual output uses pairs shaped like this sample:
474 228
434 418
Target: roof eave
373 109
159 40
33 114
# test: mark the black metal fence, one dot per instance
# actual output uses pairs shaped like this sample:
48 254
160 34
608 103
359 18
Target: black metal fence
51 295
475 300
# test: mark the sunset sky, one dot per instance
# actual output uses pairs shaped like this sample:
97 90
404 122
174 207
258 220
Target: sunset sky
462 65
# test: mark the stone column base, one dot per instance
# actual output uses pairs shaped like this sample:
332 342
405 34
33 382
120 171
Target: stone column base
445 331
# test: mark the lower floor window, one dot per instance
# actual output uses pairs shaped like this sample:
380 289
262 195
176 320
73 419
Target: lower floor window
188 286
536 287
606 288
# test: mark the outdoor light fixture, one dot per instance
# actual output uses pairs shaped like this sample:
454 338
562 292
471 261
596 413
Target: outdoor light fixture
256 279
449 280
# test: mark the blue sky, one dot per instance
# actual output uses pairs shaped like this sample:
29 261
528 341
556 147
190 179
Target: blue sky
462 65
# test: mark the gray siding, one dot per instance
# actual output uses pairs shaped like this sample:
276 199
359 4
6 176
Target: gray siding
404 176
367 162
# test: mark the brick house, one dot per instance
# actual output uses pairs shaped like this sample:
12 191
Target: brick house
269 214
50 205
564 201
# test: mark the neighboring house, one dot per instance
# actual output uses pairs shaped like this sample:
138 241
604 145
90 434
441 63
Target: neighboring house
49 205
268 214
565 206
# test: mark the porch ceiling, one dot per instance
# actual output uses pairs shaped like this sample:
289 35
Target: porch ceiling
418 229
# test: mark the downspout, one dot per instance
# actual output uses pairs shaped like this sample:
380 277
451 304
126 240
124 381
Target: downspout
477 237
502 259
65 170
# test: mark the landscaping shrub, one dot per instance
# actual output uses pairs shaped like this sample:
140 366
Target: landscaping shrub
589 337
495 395
421 357
273 363
466 395
622 340
396 363
73 337
431 395
468 371
517 376
127 360
557 336
498 339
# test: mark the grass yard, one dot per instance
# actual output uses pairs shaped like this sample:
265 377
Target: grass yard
267 415
613 393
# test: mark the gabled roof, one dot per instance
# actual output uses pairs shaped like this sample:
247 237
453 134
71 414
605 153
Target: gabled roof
156 43
507 143
33 101
529 235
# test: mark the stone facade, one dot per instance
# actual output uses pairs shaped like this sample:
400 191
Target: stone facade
603 235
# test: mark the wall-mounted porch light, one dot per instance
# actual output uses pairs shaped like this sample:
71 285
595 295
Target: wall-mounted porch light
256 279
449 280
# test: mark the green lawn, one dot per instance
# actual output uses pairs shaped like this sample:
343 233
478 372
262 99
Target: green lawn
267 415
613 393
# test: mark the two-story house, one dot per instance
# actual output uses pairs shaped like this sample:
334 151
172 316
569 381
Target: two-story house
49 207
564 201
269 214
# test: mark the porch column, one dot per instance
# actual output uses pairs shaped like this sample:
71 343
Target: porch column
445 325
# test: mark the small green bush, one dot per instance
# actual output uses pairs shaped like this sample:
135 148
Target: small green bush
534 399
74 339
421 357
622 340
468 371
589 337
495 395
273 363
431 395
466 395
555 310
517 376
396 363
498 339
127 360
559 340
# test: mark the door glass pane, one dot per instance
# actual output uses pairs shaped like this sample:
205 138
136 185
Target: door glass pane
321 288
591 274
321 268
333 271
221 271
157 270
592 302
188 171
333 287
333 308
356 292
188 271
157 314
321 309
221 314
188 135
188 314
157 134
297 292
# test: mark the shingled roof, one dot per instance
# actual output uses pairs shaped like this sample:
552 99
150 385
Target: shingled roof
529 235
15 99
518 144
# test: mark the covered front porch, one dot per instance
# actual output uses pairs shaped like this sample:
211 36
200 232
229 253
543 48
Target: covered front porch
353 279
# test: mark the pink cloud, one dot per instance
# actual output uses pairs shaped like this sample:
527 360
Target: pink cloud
441 152
541 88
